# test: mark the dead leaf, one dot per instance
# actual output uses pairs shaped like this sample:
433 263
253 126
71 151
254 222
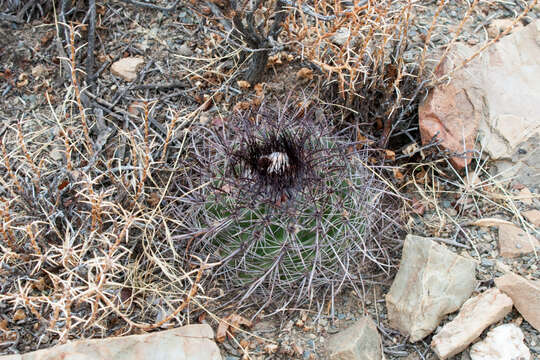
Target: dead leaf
23 80
19 315
390 155
421 176
304 74
63 184
47 37
410 149
242 105
270 348
230 323
243 84
154 199
135 108
398 174
40 284
244 343
274 60
259 89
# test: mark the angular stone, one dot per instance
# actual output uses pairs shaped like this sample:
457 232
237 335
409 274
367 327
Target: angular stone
431 282
361 341
525 294
127 68
451 114
533 216
501 343
497 94
192 342
514 242
475 315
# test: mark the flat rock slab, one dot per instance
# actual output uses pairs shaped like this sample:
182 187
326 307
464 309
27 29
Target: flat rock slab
497 96
505 342
474 316
525 294
361 341
514 242
431 282
192 342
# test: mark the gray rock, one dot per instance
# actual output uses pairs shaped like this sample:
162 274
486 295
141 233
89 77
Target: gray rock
185 50
192 342
361 341
431 282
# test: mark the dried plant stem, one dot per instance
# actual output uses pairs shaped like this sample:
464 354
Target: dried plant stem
9 169
7 233
27 155
82 112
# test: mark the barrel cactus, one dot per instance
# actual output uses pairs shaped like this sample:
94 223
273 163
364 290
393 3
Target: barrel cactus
285 207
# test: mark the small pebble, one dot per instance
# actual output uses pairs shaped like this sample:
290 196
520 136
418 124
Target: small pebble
487 262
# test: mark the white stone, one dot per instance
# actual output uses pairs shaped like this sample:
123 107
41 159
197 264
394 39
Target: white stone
505 342
475 315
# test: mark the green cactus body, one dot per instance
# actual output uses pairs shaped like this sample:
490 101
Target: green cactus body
270 235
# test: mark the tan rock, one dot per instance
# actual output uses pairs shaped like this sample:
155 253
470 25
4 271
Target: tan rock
475 315
525 196
525 294
192 342
505 342
514 242
497 94
431 282
533 216
127 68
361 341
